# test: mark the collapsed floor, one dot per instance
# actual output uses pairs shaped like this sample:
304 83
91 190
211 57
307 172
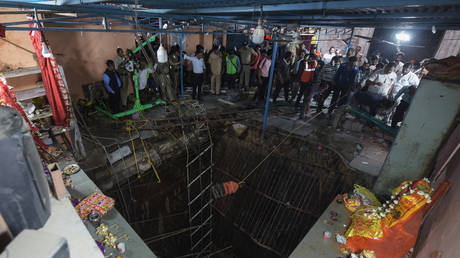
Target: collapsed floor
270 213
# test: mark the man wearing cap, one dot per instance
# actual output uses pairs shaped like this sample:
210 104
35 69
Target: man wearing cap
245 53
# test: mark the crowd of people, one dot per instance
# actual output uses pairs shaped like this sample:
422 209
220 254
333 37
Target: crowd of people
373 83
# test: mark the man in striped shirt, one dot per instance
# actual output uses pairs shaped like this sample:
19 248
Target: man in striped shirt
327 78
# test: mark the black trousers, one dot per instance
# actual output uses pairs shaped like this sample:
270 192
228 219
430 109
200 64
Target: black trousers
197 80
340 96
253 79
371 100
324 95
115 101
285 86
303 86
229 80
261 91
399 113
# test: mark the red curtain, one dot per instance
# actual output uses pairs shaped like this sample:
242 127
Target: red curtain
55 88
8 98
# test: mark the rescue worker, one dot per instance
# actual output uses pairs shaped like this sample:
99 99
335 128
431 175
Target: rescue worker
165 82
215 63
120 61
246 53
174 64
232 68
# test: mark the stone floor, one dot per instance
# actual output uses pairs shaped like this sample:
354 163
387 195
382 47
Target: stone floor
363 148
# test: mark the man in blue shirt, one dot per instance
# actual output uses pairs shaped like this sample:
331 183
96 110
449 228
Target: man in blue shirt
344 80
112 84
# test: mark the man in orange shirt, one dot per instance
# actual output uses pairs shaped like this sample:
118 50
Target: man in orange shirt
305 75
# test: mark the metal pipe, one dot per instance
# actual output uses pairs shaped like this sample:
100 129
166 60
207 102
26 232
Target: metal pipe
270 82
48 20
181 38
116 30
349 42
160 25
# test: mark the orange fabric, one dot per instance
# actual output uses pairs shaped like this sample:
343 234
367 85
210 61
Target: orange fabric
396 241
307 74
230 187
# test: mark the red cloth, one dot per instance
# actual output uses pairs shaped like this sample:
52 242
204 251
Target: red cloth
230 187
397 240
55 88
8 98
2 31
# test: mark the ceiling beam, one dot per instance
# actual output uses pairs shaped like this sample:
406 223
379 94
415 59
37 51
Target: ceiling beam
405 16
110 10
319 5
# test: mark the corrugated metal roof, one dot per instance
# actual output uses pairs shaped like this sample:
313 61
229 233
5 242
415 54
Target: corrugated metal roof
445 14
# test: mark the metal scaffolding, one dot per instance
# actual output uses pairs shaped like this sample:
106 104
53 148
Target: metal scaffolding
199 185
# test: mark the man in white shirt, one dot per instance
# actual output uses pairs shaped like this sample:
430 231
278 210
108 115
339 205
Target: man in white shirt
143 76
405 78
380 86
328 56
399 63
198 73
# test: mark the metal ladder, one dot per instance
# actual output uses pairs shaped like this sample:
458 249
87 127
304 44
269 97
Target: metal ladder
199 186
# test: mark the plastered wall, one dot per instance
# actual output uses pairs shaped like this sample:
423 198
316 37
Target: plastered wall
11 56
83 54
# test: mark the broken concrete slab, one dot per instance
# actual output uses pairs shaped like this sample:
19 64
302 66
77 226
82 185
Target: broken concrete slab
239 129
119 154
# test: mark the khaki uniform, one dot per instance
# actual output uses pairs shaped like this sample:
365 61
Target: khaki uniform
215 63
124 78
246 54
165 82
174 72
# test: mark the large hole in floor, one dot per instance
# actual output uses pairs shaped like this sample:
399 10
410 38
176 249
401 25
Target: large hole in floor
270 213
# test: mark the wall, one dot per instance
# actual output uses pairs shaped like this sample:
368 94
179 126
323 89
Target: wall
12 56
24 82
327 41
83 54
432 112
440 229
205 40
450 44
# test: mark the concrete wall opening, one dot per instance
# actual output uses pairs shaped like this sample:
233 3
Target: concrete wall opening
273 209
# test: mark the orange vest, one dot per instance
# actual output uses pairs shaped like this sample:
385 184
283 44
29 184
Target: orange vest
308 72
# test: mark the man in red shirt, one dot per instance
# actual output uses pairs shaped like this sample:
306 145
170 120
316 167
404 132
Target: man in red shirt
305 75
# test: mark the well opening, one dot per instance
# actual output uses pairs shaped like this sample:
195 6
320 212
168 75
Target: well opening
267 217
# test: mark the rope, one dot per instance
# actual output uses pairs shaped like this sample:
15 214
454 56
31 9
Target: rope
149 160
158 218
282 141
134 151
209 255
167 235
